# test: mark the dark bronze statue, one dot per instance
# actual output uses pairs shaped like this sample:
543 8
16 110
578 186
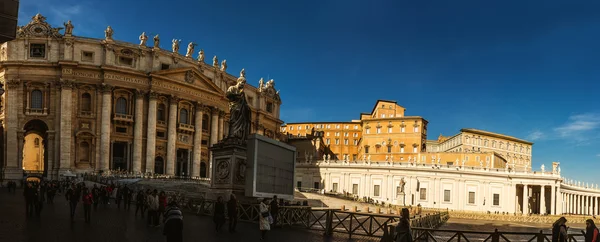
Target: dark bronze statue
239 110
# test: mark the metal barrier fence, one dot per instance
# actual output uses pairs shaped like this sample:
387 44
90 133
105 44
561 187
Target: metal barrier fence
329 220
442 235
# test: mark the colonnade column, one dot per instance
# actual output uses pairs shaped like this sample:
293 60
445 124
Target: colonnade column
51 147
172 136
553 199
559 209
151 133
596 208
197 140
214 132
105 127
138 132
542 199
66 127
221 128
525 206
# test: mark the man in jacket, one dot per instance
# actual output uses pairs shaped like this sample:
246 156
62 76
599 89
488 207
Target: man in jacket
153 206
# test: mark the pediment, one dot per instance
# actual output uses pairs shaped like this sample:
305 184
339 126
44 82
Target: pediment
190 76
38 27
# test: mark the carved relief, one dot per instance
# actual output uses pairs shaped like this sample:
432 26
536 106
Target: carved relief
222 171
189 77
38 27
240 171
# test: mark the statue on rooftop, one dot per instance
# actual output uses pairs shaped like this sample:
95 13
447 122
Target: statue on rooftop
240 113
190 49
68 28
175 45
224 65
215 62
201 56
143 39
108 33
156 41
543 168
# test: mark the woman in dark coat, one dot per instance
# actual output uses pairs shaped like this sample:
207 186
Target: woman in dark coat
232 211
559 230
403 232
591 231
219 216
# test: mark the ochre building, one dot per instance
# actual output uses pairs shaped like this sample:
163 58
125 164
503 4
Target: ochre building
386 134
83 104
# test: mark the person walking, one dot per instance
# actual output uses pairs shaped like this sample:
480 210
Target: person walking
219 214
274 211
88 199
559 230
29 194
140 199
173 221
265 218
403 232
73 195
162 204
232 211
153 209
96 196
39 200
591 231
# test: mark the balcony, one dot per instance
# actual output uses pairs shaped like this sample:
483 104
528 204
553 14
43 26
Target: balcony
36 111
185 128
161 123
86 114
123 118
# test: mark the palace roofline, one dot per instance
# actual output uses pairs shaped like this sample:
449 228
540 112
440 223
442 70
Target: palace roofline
355 121
384 100
483 132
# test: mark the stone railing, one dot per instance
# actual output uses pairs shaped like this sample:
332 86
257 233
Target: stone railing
123 117
186 127
547 219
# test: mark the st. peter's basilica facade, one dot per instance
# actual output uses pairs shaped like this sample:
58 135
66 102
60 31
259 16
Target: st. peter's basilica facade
80 104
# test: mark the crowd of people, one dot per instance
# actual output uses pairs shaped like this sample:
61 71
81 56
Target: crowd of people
149 203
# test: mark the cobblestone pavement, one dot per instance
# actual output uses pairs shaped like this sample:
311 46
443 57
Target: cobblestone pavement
114 225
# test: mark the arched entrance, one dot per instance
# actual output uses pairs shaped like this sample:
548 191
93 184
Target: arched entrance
34 160
203 169
159 165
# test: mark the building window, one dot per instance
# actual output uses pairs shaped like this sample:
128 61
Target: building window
379 130
345 134
328 141
376 190
355 126
121 106
327 134
398 190
346 127
355 142
368 131
354 189
383 115
37 50
402 129
423 194
496 199
354 157
337 134
337 126
471 197
416 129
86 102
87 56
164 66
414 149
36 99
36 143
334 187
299 127
346 141
160 113
337 141
307 127
291 127
205 122
183 116
446 195
389 149
316 185
401 149
298 184
125 61
329 126
367 150
269 107
485 143
389 129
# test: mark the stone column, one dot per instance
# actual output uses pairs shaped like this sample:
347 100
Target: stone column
66 103
50 146
138 132
105 127
12 125
214 126
221 120
172 137
151 133
21 144
596 208
525 201
553 198
197 155
542 199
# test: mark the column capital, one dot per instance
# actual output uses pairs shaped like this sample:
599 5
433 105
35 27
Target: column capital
174 99
64 83
13 83
140 93
105 88
215 110
153 95
221 114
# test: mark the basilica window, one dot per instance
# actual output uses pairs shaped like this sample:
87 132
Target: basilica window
383 115
299 127
376 190
329 126
416 129
496 199
121 106
354 157
471 197
125 61
37 98
160 113
423 194
337 126
446 195
86 102
354 189
270 107
37 50
485 143
205 122
346 127
183 116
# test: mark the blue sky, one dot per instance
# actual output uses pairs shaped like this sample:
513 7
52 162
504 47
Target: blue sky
529 69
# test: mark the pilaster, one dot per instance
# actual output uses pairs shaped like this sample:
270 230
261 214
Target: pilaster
172 136
66 106
197 152
105 146
138 132
151 133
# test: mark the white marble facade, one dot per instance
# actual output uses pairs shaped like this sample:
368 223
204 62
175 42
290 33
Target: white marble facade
452 187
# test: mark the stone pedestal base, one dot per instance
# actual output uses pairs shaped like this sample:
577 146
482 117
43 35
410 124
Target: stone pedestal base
229 168
401 198
13 174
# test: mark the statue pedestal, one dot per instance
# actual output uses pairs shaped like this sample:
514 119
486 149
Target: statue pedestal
401 198
229 169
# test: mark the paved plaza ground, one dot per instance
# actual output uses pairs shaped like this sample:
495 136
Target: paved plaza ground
113 225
